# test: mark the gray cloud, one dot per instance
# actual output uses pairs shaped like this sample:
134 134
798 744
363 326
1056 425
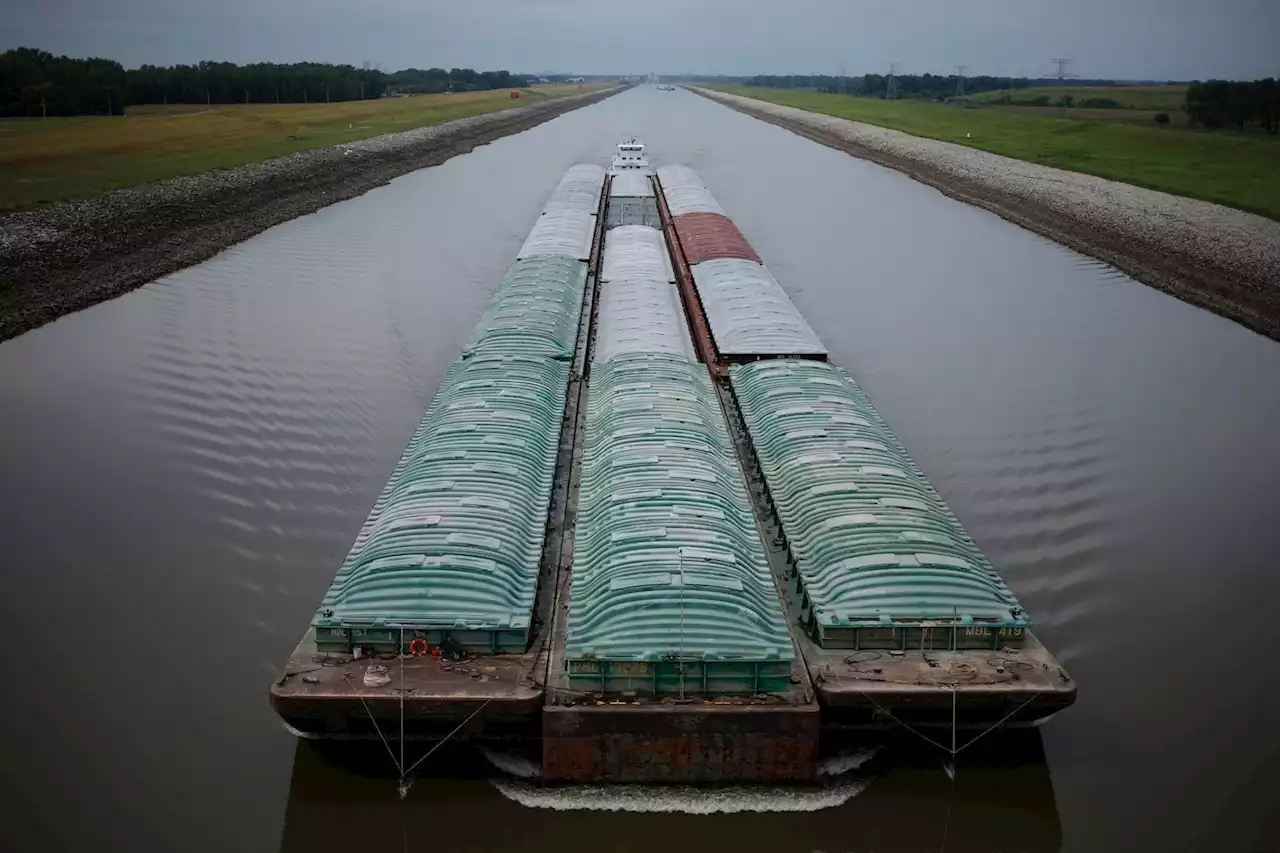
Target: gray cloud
1124 39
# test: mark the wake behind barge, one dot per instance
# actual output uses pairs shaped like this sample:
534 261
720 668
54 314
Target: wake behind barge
647 523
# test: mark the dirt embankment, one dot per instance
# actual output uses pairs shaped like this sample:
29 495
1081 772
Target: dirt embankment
62 258
1221 259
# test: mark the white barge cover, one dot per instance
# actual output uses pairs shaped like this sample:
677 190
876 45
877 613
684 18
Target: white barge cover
578 192
560 233
636 252
749 312
631 185
638 316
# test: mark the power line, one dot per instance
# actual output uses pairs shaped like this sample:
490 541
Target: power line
1063 74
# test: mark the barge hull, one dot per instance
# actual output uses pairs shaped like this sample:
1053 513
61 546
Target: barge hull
878 688
680 744
323 695
967 689
334 701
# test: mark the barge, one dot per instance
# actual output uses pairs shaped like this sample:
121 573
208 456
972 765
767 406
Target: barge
648 526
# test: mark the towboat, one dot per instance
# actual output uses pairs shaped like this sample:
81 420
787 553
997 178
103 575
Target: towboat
630 157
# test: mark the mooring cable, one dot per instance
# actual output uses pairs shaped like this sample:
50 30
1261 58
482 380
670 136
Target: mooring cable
347 678
405 774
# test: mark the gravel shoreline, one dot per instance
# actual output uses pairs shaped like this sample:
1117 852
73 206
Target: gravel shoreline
59 259
1219 258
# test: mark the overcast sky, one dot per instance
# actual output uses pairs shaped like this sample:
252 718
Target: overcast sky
1120 39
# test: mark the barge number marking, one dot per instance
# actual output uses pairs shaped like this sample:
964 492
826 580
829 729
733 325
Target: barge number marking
630 668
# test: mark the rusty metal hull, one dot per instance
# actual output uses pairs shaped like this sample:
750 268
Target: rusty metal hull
923 689
680 743
698 326
334 702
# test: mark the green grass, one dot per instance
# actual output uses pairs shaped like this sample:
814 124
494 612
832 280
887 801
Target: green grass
1177 118
1154 98
1238 170
59 159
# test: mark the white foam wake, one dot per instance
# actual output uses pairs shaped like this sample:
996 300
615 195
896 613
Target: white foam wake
681 799
298 733
838 765
512 765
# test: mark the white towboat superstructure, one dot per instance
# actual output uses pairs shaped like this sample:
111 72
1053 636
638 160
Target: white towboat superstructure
629 158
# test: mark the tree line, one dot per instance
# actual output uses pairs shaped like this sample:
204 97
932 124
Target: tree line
35 82
1220 103
924 86
434 80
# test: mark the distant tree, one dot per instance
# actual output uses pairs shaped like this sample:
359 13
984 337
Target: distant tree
464 79
1219 103
1162 118
931 87
1067 100
35 82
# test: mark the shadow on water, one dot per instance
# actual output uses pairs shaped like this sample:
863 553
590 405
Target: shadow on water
898 801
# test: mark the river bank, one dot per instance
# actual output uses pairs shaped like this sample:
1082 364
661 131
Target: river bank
1221 259
66 257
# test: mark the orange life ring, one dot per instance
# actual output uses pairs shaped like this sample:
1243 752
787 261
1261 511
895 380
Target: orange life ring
418 647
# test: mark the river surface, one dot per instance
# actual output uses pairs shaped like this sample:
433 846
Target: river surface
183 468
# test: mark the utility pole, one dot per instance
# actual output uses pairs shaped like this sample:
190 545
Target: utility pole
842 79
326 93
362 90
109 112
44 112
246 96
208 102
892 91
1063 74
960 69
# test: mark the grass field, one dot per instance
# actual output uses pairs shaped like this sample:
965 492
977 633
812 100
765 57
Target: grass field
65 158
1128 116
1239 170
1153 98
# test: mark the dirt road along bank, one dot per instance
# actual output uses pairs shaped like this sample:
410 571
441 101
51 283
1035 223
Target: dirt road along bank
1222 259
66 257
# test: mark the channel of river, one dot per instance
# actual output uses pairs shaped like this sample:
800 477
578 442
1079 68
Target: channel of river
183 468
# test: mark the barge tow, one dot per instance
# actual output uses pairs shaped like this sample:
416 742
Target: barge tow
648 526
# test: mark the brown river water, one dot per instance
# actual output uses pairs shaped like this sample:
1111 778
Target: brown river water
183 468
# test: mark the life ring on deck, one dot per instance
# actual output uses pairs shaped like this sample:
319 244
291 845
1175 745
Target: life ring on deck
418 647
